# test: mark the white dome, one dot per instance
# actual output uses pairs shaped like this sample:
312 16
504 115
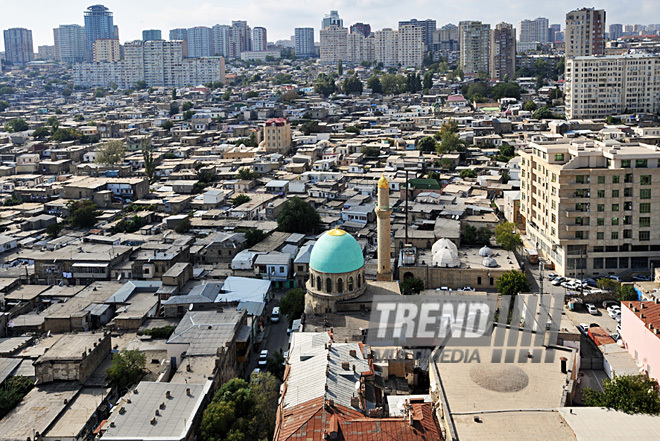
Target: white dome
485 251
489 262
445 254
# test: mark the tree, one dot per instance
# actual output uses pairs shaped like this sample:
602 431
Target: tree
468 173
428 80
506 236
325 85
374 84
543 113
53 122
370 151
53 230
507 152
167 125
293 304
506 90
290 95
447 128
11 202
16 125
4 105
505 176
148 157
187 106
529 106
340 68
188 114
240 200
626 293
247 174
67 134
352 84
12 393
631 394
128 368
608 285
512 282
174 109
82 214
451 143
140 85
477 91
254 236
41 133
447 164
426 144
110 153
183 226
173 94
309 127
473 236
555 94
353 129
411 285
298 216
275 364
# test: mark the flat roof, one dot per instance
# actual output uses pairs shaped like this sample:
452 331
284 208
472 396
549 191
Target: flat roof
598 423
78 412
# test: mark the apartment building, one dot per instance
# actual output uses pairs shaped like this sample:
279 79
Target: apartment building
277 136
334 44
410 44
304 42
474 40
70 43
386 46
503 51
106 50
259 39
533 30
360 48
585 32
151 34
611 85
590 206
427 27
18 45
220 39
200 43
240 38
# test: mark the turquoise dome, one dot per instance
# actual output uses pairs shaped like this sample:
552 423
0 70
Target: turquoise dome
336 252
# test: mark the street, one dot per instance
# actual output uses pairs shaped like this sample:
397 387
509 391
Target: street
275 337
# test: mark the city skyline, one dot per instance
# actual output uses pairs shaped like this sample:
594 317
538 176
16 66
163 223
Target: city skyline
280 19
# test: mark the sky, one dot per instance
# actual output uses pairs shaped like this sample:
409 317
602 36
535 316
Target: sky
282 16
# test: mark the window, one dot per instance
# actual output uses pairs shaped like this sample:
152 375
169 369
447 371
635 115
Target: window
611 262
615 221
645 207
600 235
492 281
641 163
579 235
615 207
645 193
328 284
627 206
628 178
601 207
478 280
340 286
615 193
625 163
627 234
318 283
644 222
582 179
600 221
645 180
627 192
359 281
601 179
644 235
623 262
281 269
559 156
598 263
350 283
615 179
615 235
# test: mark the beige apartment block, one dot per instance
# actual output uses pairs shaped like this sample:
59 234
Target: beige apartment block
585 32
277 136
611 85
334 44
106 50
592 208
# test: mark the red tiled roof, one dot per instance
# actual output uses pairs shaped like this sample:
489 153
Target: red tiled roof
276 121
310 420
651 311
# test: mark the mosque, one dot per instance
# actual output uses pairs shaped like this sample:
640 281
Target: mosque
336 266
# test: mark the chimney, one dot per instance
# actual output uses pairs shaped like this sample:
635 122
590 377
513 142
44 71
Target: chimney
112 424
188 392
162 405
157 413
355 402
352 353
642 305
153 421
345 365
563 365
168 394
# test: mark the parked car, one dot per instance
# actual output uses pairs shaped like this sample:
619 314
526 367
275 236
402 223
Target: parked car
557 281
591 308
552 276
583 327
641 278
591 282
617 317
286 357
617 278
609 303
263 358
468 289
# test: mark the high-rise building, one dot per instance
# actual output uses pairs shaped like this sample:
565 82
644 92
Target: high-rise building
502 51
363 28
199 42
474 39
18 46
179 34
304 42
591 207
240 38
70 43
596 87
98 25
585 32
616 31
410 45
445 42
259 39
334 44
46 52
332 19
533 30
151 34
277 136
360 48
427 27
106 50
552 32
220 37
386 47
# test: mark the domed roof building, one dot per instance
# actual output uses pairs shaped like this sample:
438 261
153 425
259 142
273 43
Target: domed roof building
445 254
336 272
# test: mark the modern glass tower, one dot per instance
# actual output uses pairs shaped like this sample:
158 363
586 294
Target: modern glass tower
98 25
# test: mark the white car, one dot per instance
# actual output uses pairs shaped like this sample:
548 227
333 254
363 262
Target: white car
583 327
617 317
552 276
275 315
591 308
263 358
558 281
468 288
